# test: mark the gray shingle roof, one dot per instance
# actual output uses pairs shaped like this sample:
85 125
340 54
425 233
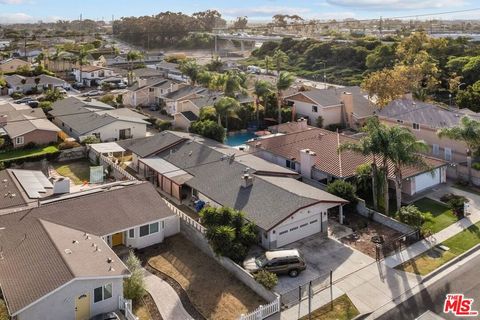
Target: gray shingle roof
34 241
20 122
184 92
423 113
147 146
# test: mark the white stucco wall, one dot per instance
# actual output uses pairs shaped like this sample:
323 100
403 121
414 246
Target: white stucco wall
61 304
111 131
166 227
330 115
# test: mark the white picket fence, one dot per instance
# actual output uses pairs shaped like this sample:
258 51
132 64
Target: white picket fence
126 306
190 221
263 311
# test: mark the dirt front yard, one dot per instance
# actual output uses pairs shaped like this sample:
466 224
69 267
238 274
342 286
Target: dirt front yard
215 292
365 229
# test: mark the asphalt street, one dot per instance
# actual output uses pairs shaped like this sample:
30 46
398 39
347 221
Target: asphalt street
464 279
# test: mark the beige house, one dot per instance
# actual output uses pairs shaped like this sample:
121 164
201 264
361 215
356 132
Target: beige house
148 91
11 65
424 120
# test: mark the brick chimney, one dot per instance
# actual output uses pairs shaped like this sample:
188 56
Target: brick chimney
247 180
307 161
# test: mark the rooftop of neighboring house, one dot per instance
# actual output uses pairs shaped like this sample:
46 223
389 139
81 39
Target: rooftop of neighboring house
216 171
9 60
185 92
325 145
147 73
289 127
150 82
204 101
17 121
430 115
84 116
168 66
92 68
47 247
16 80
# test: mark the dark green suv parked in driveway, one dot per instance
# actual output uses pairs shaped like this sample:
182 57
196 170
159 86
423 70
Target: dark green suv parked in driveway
289 262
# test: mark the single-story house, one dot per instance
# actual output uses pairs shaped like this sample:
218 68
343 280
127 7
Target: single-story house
81 118
58 260
147 91
24 125
186 168
18 83
424 120
12 64
349 106
314 154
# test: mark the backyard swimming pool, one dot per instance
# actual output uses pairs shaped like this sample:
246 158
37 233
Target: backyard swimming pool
238 139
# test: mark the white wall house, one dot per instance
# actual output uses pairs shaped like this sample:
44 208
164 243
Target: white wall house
78 299
118 130
92 75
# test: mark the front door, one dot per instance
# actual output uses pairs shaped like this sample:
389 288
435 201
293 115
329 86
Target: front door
117 239
82 307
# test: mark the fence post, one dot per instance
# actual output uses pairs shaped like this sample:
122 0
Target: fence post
331 289
309 300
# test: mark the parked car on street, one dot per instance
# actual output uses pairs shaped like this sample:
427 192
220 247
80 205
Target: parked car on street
33 104
24 100
121 85
288 261
78 85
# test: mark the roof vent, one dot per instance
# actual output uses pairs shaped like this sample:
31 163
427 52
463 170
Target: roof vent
247 180
111 269
68 251
75 242
109 260
190 153
93 244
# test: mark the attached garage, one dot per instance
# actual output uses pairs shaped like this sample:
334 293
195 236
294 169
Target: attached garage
427 180
297 230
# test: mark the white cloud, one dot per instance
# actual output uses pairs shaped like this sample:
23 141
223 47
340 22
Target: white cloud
263 11
12 1
20 17
398 4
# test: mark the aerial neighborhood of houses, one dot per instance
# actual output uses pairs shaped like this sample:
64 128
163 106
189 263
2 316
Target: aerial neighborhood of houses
143 184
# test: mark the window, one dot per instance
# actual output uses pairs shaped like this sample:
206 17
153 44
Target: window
314 109
283 232
314 221
131 233
290 164
19 140
294 228
435 149
399 121
448 154
102 293
415 126
151 89
149 229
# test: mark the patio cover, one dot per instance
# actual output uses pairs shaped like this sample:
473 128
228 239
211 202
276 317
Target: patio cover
107 147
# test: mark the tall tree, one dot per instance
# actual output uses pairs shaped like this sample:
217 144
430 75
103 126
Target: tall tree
234 82
280 58
226 107
191 69
404 152
262 88
284 81
467 131
240 23
132 56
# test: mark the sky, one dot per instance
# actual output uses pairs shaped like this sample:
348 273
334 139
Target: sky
12 11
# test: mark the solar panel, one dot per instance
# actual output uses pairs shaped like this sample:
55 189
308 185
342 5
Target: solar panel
33 182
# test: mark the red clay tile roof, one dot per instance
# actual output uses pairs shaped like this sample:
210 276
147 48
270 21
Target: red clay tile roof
325 144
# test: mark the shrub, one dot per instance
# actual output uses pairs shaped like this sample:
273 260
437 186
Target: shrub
412 216
344 190
266 279
46 106
227 232
68 145
90 140
162 125
134 286
335 127
209 129
476 166
17 95
456 203
319 122
30 145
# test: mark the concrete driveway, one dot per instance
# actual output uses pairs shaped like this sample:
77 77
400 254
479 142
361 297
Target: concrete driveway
322 255
449 188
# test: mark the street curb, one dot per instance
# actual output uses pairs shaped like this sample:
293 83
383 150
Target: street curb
447 265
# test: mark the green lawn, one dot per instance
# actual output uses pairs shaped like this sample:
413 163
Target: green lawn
78 171
458 244
343 309
442 215
22 153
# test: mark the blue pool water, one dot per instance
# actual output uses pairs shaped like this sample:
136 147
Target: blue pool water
239 139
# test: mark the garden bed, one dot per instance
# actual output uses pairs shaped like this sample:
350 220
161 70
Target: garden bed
77 171
343 309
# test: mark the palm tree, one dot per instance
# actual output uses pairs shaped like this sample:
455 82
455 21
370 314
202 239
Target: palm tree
132 55
234 82
284 81
191 69
82 59
404 151
262 88
280 58
226 107
467 131
268 62
373 145
205 79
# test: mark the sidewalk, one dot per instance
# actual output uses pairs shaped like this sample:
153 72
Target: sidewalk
424 245
166 299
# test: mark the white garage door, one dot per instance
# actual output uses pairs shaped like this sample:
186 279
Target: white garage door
427 180
298 230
